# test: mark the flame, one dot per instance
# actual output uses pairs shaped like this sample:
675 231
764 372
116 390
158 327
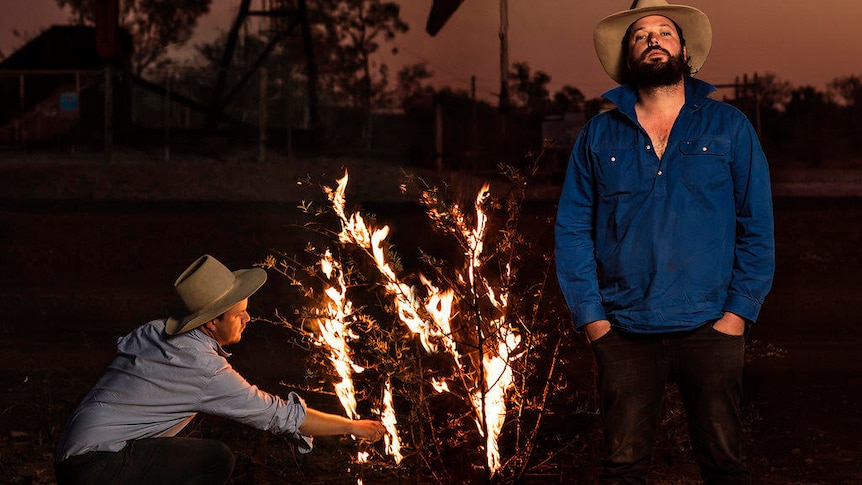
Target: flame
498 381
390 439
488 397
439 386
476 236
334 333
355 231
439 308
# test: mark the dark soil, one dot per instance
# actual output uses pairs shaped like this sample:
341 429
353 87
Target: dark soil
78 274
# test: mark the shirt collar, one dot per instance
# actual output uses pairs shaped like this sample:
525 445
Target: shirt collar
199 334
625 96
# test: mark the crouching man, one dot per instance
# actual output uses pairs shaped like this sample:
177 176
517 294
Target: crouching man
165 372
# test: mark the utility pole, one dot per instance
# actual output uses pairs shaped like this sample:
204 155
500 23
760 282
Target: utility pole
504 54
504 65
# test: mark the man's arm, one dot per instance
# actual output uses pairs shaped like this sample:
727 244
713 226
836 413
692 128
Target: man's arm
318 423
754 261
574 245
229 394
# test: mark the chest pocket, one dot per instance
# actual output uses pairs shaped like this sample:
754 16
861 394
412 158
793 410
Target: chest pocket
705 164
619 172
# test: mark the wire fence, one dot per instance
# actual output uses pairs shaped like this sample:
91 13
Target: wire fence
268 110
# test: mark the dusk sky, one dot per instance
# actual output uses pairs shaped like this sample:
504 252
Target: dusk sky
804 42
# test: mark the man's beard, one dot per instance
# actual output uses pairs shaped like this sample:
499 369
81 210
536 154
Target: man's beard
654 75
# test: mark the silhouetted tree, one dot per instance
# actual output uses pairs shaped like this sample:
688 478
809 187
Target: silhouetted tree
410 89
808 113
285 64
773 92
348 33
846 90
568 99
153 25
530 89
454 97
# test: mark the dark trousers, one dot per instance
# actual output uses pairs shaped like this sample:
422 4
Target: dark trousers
158 460
633 370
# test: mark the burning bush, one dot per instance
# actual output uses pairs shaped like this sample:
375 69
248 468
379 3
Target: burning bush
460 357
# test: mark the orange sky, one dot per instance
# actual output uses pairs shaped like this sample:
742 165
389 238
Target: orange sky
802 41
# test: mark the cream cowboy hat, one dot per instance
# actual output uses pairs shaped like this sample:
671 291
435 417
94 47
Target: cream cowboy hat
208 289
609 33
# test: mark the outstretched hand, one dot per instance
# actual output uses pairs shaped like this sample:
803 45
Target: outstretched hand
318 423
368 429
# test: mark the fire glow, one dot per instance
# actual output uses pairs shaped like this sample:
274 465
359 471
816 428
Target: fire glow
430 318
334 333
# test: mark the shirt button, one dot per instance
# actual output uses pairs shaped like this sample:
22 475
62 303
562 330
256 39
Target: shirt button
648 147
659 172
613 159
704 148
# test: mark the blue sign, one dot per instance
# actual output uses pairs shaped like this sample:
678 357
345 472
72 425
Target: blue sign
69 101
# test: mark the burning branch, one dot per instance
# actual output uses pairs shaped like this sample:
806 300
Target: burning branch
471 315
334 333
495 345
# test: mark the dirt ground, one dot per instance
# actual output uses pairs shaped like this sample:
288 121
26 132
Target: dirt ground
88 252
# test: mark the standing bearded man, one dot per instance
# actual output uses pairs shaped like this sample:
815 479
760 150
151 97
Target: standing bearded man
664 243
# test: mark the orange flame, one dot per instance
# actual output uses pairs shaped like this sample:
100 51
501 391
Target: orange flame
334 332
498 381
391 440
489 397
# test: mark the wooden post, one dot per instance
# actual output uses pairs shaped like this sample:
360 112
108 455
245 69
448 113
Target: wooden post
474 125
168 116
504 72
287 113
19 131
757 101
261 157
76 131
504 54
109 113
438 134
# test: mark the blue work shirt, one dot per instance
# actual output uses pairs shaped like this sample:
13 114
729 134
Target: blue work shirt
157 383
663 245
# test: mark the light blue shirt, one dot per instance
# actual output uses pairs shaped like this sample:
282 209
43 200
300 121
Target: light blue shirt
157 383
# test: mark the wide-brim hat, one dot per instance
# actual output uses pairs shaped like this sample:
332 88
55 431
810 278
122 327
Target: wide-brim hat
609 33
208 288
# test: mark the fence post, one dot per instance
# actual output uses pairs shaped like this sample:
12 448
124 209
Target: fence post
438 134
19 131
109 113
76 130
168 116
287 116
261 157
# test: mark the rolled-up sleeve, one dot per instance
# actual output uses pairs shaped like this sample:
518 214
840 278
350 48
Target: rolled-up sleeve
229 395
